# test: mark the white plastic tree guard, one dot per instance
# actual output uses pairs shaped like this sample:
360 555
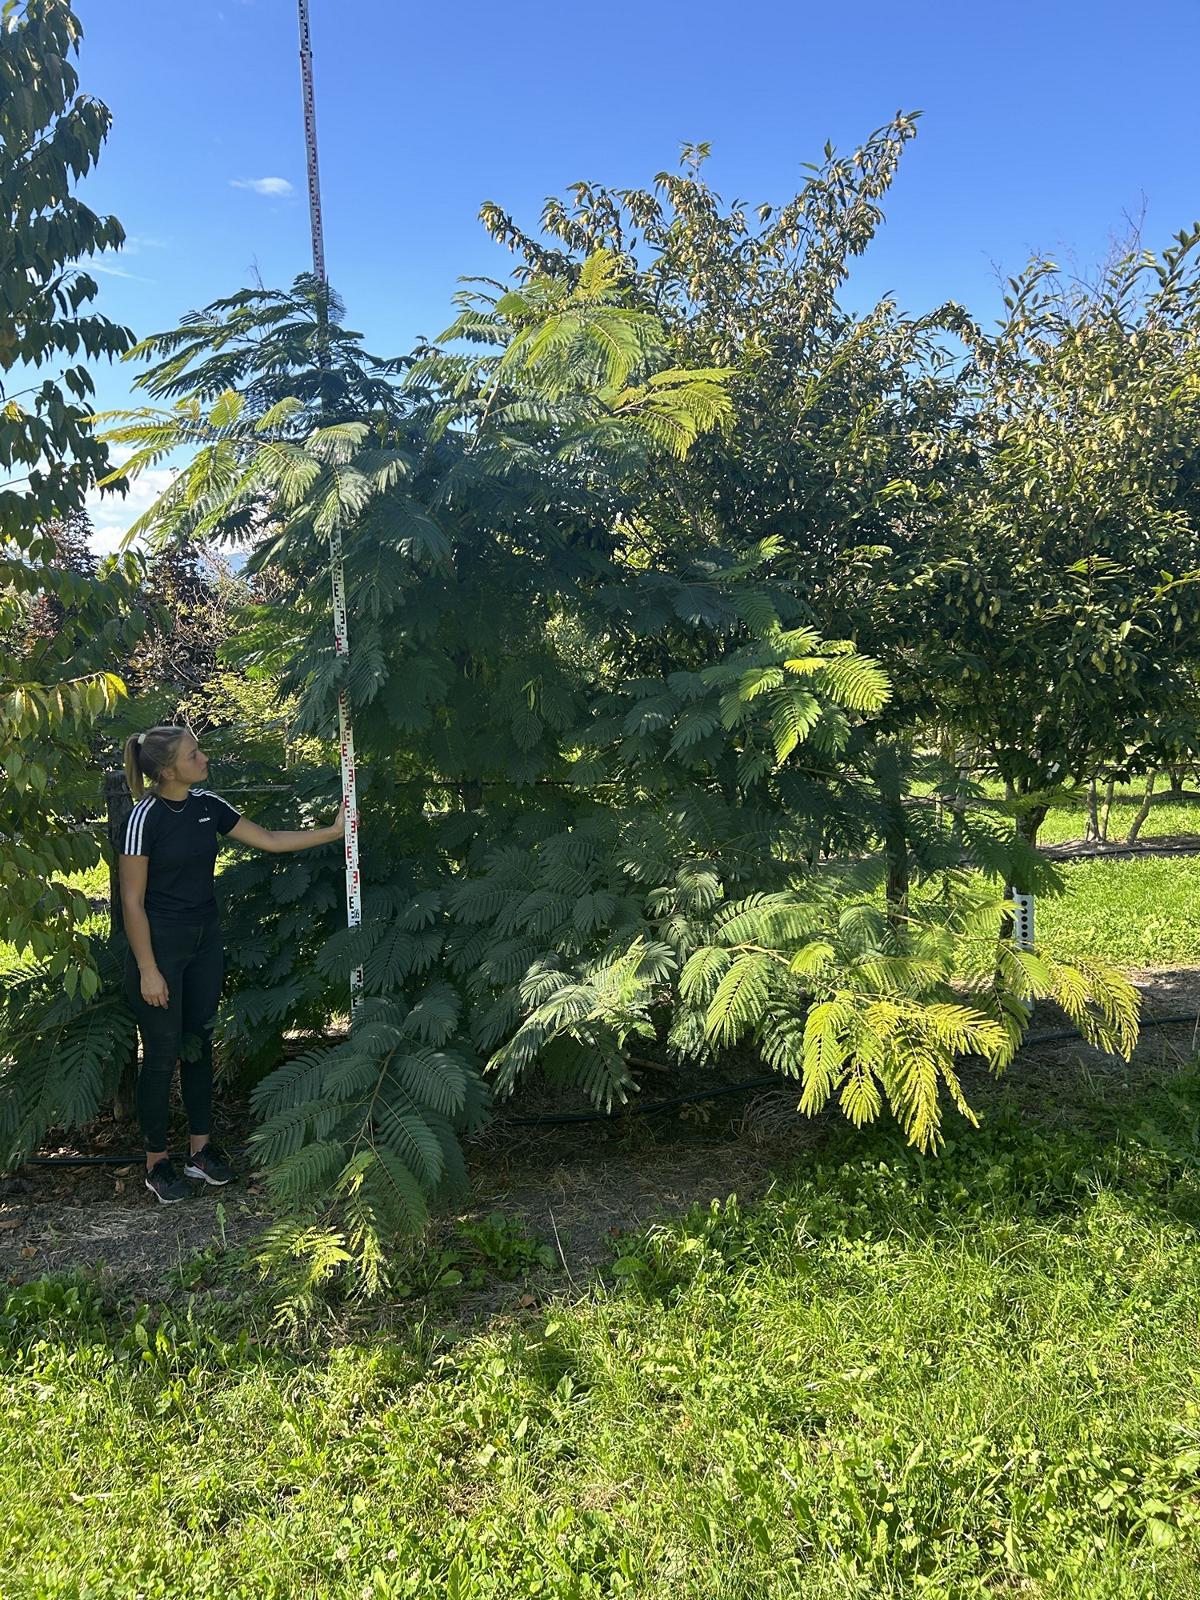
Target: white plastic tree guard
1023 927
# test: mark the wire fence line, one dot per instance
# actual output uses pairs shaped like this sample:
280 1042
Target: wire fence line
119 802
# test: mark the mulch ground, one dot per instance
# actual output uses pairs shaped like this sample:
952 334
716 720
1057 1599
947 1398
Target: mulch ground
574 1187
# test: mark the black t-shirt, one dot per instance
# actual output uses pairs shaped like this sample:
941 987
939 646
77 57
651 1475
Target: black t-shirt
179 840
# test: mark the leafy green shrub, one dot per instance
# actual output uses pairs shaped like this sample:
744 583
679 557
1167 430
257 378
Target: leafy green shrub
502 1244
626 770
637 758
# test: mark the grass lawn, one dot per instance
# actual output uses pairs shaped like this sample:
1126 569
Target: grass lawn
1135 913
1067 818
967 1377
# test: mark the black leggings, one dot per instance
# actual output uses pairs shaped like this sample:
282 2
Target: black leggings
192 960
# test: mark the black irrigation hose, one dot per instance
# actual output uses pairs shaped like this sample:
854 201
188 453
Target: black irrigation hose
83 1161
1065 858
1151 1022
559 1117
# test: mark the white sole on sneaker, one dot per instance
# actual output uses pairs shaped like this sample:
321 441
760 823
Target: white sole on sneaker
195 1172
162 1199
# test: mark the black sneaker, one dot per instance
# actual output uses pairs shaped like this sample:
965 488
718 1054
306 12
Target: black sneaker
165 1184
210 1164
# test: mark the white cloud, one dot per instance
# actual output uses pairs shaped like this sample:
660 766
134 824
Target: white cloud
112 515
115 272
275 187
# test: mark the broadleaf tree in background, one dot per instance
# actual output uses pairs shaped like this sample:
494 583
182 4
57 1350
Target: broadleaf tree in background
62 625
1013 534
1064 612
848 428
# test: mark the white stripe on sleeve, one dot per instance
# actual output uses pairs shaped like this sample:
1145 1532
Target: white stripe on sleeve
209 795
136 826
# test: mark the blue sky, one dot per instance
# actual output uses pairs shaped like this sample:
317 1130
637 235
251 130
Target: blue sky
1046 127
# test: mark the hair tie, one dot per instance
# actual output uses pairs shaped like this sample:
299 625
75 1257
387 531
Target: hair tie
141 738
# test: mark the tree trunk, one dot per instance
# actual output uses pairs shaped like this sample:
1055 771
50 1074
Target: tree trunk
118 803
1092 831
889 776
1107 811
1028 824
949 755
1139 821
897 885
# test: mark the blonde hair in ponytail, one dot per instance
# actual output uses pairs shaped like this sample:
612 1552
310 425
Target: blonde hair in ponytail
147 755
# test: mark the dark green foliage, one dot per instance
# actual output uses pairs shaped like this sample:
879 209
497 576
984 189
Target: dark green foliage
50 137
421 1091
63 1052
64 1030
47 613
1014 535
596 743
658 564
1061 600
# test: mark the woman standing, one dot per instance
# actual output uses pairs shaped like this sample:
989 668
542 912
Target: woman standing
176 959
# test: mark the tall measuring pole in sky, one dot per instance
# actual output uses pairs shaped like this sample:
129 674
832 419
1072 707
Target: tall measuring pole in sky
341 634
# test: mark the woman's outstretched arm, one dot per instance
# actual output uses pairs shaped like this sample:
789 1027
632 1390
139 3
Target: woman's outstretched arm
281 841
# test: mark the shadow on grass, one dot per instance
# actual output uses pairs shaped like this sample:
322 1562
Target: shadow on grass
1136 1139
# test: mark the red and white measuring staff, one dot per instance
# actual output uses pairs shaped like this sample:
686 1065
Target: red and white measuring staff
341 632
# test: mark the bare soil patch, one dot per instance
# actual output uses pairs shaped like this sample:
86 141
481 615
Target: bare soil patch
575 1186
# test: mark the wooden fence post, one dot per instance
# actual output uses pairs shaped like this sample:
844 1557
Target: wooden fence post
118 803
